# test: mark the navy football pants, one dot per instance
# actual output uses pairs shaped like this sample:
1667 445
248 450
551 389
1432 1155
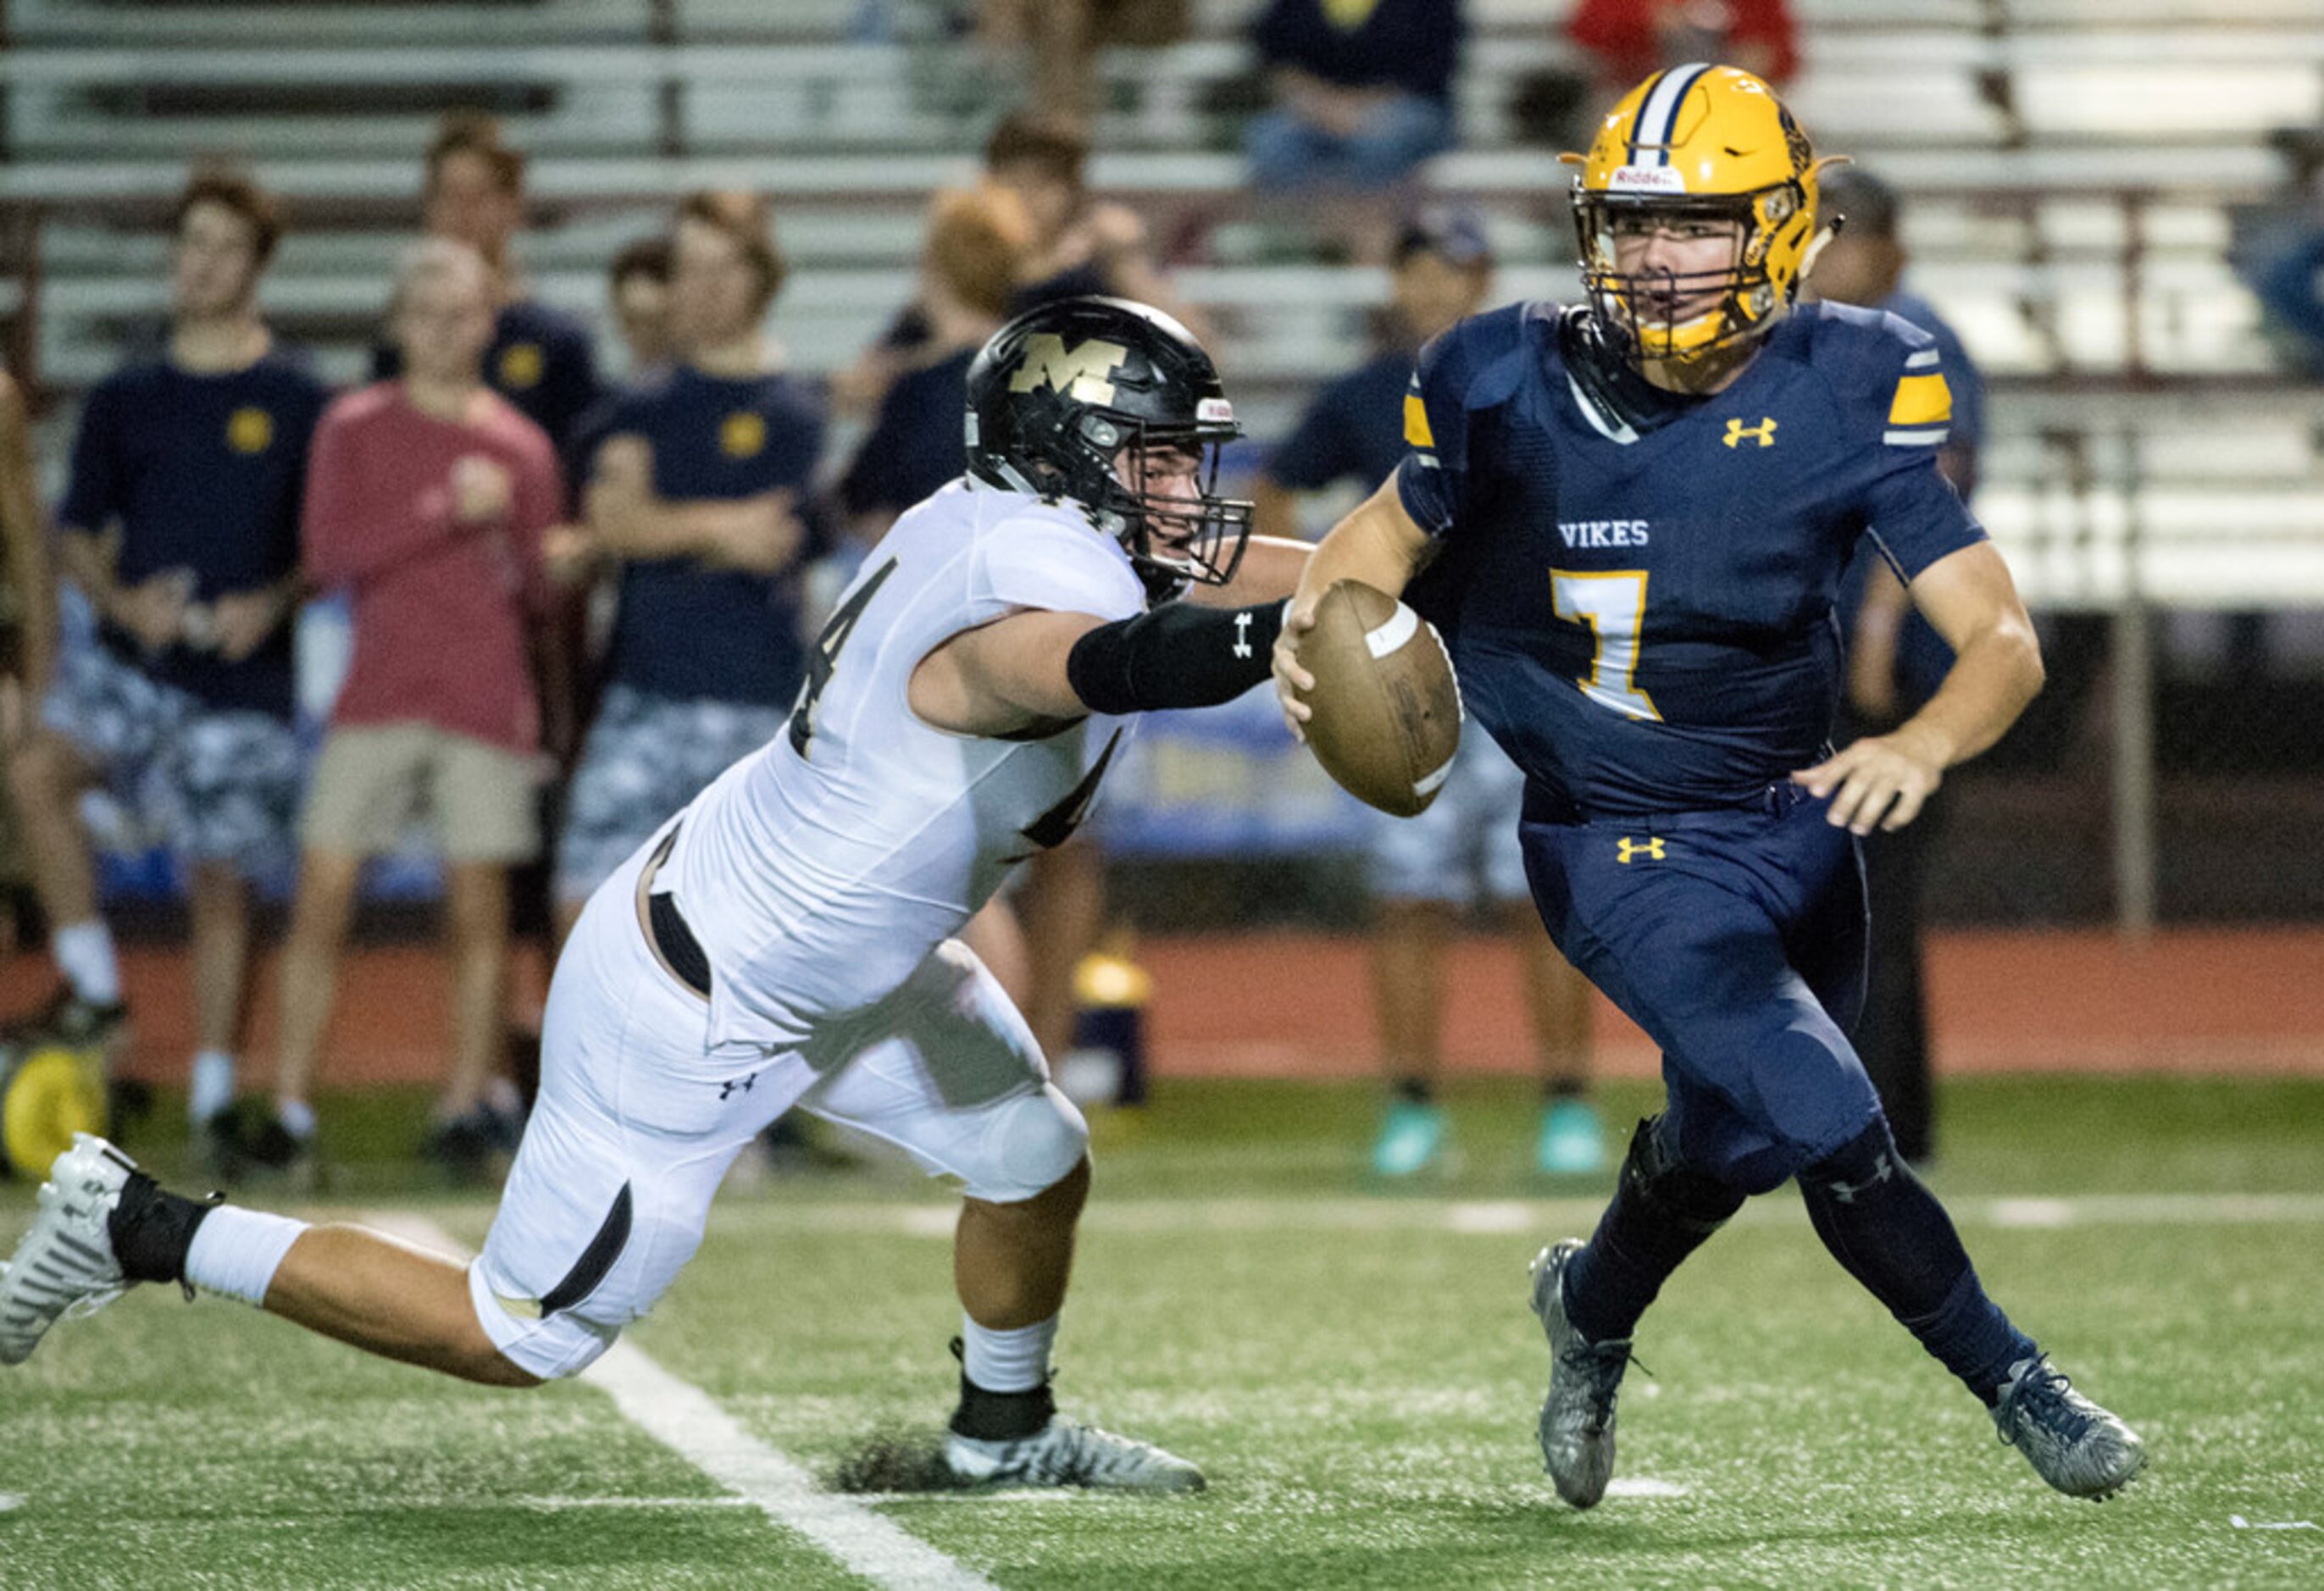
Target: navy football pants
1734 938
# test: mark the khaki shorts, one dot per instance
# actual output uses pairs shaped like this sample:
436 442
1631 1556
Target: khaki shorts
372 781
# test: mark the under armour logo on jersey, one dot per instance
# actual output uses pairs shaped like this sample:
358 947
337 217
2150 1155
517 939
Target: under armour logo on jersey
1846 1193
1764 433
727 1089
1630 849
1242 635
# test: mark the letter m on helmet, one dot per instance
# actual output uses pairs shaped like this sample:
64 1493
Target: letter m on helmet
1083 372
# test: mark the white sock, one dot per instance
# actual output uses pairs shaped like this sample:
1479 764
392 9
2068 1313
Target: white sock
237 1251
297 1117
1006 1361
84 952
210 1089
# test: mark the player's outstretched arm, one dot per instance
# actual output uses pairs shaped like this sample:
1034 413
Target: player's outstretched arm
1037 667
1269 572
1379 543
1970 600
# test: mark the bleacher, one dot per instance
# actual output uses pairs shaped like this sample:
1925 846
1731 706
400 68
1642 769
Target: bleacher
2074 168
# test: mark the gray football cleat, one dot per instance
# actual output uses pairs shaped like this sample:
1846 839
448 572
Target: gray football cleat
2072 1443
1577 1417
1065 1453
65 1265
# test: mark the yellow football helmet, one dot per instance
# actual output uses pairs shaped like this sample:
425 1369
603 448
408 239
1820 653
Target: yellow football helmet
1697 144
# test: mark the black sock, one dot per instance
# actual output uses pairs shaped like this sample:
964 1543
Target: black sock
1418 1090
151 1229
1559 1088
1662 1212
1000 1417
1882 1223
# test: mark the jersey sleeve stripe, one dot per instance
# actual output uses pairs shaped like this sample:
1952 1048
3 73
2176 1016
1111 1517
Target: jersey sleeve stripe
1926 359
1415 422
1928 437
1920 400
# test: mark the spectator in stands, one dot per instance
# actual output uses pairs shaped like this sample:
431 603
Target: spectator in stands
1063 38
639 287
1363 90
426 503
1080 245
977 243
180 525
698 493
1630 39
1895 661
1426 869
539 358
28 633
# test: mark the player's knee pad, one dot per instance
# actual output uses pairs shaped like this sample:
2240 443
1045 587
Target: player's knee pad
1032 1142
1681 1193
1866 1163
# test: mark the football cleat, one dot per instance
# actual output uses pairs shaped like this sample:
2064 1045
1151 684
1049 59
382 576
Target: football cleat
1570 1141
2072 1443
1577 1416
1411 1140
1065 1453
65 1265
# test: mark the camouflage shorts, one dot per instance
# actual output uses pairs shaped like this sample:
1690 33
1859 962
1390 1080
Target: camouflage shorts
646 756
211 784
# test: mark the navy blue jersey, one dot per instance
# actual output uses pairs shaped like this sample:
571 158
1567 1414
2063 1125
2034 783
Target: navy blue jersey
1641 611
1353 431
541 360
917 440
683 630
1922 658
203 473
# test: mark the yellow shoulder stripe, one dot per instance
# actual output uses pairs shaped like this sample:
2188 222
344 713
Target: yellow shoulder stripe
1415 422
1922 400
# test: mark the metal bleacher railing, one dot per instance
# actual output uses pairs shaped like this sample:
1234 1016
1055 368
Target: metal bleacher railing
2072 164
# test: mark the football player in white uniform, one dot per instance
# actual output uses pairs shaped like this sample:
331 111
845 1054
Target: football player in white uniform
787 941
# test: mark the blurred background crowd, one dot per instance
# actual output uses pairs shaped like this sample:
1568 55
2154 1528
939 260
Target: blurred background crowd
435 433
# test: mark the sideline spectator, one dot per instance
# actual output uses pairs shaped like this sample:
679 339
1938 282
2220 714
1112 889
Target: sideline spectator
28 638
1064 37
426 503
539 359
1895 663
697 491
976 246
1363 90
1081 244
638 284
1464 848
1630 39
180 527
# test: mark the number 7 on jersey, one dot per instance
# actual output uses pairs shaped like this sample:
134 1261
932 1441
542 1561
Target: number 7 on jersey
1613 604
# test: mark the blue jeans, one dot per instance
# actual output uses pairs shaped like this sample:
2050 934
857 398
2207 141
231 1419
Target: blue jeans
1401 132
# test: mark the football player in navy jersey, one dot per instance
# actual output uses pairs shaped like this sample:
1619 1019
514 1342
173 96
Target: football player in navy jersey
1630 519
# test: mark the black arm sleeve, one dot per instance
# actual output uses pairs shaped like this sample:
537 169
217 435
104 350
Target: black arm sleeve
1178 656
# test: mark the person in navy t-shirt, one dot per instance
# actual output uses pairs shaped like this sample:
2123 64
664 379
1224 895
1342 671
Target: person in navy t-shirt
180 527
541 359
977 242
1896 662
1634 516
1464 850
697 491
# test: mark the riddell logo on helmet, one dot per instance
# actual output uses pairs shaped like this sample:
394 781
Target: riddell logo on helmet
1646 179
1214 409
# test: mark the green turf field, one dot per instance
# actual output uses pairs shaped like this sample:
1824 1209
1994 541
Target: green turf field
1358 1373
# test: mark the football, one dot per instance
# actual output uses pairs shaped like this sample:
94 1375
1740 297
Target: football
1387 710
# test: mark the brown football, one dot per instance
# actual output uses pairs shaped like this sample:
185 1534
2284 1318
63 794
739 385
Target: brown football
1387 710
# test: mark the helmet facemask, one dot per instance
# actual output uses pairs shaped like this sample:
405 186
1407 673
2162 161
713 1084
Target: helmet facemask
1698 324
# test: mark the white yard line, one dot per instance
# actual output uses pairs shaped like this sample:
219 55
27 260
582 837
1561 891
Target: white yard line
684 1419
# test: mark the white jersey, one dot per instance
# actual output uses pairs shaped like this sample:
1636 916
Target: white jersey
820 870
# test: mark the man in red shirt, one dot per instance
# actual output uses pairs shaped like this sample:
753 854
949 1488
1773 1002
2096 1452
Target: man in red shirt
427 498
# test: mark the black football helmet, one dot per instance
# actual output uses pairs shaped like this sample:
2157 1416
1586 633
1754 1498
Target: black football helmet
1063 393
